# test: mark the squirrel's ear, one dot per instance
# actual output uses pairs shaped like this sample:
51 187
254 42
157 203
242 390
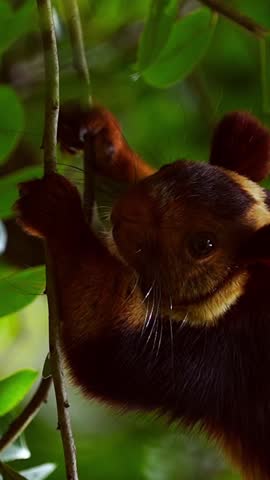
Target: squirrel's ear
257 248
242 144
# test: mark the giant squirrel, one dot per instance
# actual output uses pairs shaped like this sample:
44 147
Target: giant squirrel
172 312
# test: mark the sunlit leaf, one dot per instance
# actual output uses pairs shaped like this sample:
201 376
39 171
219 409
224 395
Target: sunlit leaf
9 187
39 473
20 288
186 46
11 120
14 23
14 388
162 14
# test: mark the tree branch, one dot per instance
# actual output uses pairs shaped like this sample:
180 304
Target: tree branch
52 84
227 11
26 416
50 141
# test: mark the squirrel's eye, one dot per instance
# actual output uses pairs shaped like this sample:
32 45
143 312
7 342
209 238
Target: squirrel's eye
201 244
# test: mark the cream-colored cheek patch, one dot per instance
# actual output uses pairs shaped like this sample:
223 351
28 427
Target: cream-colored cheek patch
216 306
259 214
209 311
250 187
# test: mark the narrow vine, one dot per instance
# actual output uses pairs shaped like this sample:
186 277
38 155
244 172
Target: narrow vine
81 67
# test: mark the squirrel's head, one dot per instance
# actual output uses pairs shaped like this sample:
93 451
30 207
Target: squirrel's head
191 230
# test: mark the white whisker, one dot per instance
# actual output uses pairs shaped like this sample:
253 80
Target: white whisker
184 321
160 336
148 320
149 291
155 321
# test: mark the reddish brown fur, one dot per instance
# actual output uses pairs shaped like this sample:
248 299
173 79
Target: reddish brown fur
215 376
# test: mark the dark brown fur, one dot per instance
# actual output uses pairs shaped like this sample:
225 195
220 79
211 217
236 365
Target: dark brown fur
241 136
209 368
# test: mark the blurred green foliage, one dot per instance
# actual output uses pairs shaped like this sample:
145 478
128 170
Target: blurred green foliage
188 39
213 66
11 122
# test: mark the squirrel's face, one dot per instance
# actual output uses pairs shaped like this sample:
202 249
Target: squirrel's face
182 230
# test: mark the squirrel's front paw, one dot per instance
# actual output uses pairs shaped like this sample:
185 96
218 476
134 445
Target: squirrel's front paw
95 125
97 131
47 206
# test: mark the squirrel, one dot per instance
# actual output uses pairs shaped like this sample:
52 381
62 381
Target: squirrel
170 310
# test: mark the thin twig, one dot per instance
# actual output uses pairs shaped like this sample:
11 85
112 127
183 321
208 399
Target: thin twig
50 141
227 11
26 416
78 50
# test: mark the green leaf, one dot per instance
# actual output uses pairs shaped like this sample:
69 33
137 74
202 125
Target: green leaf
186 46
14 23
9 188
11 120
14 388
39 473
47 367
156 32
19 289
